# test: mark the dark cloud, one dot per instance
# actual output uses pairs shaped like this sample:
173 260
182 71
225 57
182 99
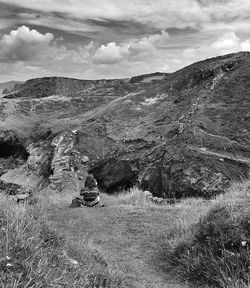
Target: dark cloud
117 37
211 2
69 38
125 27
173 31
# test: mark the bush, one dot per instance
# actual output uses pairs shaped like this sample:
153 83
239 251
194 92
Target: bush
218 251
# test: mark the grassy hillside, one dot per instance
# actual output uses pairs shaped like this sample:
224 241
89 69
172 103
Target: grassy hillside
215 251
128 243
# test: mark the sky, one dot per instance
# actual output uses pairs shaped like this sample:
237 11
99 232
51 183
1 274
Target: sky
96 39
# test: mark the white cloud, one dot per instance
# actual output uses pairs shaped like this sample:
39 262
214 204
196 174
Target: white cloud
110 53
227 41
26 53
208 14
23 44
161 13
245 45
149 43
132 49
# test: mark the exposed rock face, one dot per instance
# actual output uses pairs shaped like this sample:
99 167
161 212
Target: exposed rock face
66 160
49 160
186 134
35 170
191 130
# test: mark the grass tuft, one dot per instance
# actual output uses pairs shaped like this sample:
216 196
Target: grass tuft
215 251
134 198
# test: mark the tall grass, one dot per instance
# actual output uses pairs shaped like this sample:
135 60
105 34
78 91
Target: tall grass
32 254
207 242
215 250
134 198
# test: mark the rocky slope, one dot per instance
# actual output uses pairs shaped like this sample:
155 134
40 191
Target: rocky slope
182 134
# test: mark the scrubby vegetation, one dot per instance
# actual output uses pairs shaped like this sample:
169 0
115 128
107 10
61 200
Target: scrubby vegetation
216 250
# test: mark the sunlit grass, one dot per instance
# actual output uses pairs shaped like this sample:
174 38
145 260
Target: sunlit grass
212 249
32 254
52 256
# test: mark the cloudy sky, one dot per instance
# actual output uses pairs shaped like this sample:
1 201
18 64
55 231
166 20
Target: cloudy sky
116 38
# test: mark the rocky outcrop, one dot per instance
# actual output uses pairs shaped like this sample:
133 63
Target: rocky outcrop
35 170
67 163
50 161
192 123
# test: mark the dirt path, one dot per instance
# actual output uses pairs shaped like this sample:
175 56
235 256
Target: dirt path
128 238
205 151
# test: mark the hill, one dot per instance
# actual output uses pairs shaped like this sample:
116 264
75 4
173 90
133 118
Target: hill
186 134
9 85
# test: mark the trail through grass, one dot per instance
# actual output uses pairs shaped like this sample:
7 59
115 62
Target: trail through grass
129 243
127 235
